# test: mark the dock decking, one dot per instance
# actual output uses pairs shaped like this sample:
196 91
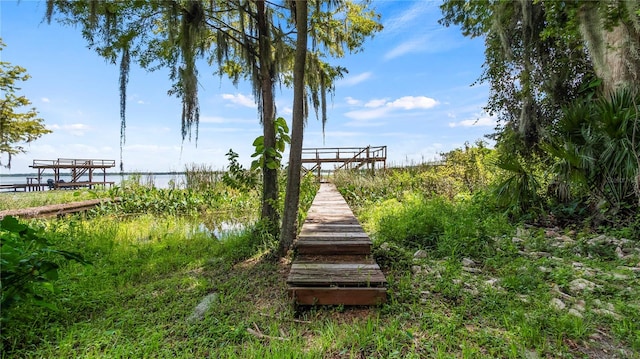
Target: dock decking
333 265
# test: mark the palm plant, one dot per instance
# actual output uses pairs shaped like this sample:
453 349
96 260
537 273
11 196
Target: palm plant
596 147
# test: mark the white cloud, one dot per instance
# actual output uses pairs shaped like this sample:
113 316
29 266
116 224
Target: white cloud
76 129
485 121
376 103
45 100
352 101
408 18
140 102
413 102
434 41
240 99
356 79
367 114
378 108
407 47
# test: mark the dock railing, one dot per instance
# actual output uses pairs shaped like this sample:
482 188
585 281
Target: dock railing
345 157
69 163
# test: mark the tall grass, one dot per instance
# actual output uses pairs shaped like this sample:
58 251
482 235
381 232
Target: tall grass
17 200
201 177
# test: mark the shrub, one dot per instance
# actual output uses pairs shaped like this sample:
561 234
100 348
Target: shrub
29 266
464 227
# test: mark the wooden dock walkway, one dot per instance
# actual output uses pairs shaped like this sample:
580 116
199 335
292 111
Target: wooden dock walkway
333 265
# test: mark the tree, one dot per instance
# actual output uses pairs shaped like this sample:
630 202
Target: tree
250 40
540 54
292 195
16 128
535 62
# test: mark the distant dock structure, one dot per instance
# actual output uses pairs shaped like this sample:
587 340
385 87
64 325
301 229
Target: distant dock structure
370 157
82 172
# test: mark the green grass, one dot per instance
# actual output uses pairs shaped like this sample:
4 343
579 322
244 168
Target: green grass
150 272
16 200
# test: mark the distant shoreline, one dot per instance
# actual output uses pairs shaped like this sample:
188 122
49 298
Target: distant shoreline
35 174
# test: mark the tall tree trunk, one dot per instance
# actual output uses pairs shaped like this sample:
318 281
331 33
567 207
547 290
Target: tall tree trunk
613 49
269 176
292 197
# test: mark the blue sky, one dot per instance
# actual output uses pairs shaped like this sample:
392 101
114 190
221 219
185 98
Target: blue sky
410 89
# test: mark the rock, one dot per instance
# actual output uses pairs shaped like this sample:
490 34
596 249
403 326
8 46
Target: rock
517 240
416 269
491 282
531 354
563 241
544 269
619 252
468 262
575 313
385 246
521 232
557 304
540 254
618 276
202 307
420 254
550 233
579 305
471 270
581 285
608 313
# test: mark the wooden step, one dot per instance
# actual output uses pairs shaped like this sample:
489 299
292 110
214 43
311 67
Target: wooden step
334 247
321 273
338 296
333 264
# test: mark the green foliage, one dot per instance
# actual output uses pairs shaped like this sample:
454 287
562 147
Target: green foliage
200 177
519 191
18 200
272 155
238 177
16 128
596 149
462 172
29 266
448 228
134 198
391 255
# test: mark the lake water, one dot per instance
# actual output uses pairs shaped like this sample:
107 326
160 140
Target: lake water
159 180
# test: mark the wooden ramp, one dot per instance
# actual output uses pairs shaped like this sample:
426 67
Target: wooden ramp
333 265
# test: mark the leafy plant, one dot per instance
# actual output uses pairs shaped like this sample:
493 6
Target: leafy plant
237 176
595 144
519 191
272 155
29 265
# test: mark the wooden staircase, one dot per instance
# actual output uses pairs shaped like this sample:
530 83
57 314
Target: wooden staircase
333 265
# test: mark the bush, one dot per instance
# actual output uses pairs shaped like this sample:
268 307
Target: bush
29 266
461 228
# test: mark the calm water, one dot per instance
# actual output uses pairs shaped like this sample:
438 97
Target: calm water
159 180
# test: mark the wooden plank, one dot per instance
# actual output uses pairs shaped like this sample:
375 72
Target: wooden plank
330 227
329 248
55 209
301 266
333 263
338 296
321 235
332 277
